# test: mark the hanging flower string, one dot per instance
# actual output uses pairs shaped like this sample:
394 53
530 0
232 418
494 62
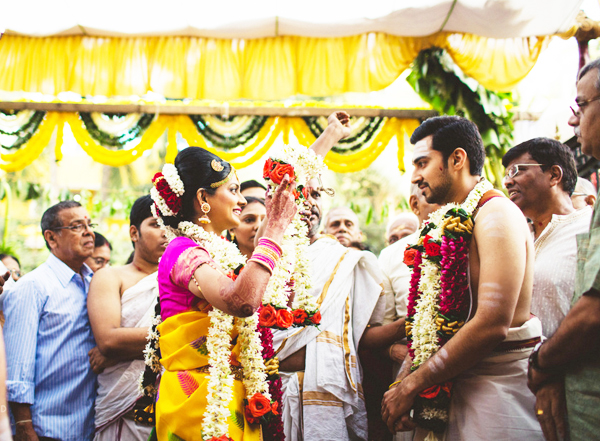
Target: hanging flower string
291 276
439 297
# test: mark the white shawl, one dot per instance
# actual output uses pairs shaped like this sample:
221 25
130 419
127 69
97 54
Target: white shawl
118 385
348 285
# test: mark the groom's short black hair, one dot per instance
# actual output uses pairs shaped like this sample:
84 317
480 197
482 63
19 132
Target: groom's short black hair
450 133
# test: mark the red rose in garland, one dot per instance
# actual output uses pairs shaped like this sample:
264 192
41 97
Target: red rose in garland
267 316
409 257
267 169
258 406
299 316
280 171
431 248
274 407
316 318
285 319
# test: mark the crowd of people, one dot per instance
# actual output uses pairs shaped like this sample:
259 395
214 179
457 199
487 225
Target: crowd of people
506 348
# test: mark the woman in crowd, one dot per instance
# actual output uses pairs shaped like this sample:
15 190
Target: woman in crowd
197 200
101 255
253 214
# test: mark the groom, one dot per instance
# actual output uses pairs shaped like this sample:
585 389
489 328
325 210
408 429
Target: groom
487 357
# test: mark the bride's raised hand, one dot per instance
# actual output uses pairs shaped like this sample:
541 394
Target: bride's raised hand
281 208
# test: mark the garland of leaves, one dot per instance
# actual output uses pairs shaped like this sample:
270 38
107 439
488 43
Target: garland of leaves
232 131
23 133
364 128
440 82
108 140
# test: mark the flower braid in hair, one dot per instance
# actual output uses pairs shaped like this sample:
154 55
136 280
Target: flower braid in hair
144 409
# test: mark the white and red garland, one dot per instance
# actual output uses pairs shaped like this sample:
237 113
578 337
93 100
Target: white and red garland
439 297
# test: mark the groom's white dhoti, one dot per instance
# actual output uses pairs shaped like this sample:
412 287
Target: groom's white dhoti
325 402
491 400
118 385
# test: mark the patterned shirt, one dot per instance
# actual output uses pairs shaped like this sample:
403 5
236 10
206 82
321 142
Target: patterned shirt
48 336
582 382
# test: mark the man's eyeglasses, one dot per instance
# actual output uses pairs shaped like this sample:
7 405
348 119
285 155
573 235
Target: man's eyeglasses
79 228
514 170
15 273
581 104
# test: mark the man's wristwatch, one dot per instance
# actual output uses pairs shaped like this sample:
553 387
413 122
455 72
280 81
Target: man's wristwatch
533 360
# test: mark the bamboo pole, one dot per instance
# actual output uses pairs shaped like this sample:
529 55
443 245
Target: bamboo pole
181 109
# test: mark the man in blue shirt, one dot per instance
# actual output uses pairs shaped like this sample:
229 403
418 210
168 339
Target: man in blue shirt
51 387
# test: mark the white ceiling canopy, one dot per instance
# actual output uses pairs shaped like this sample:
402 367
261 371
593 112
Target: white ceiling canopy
269 18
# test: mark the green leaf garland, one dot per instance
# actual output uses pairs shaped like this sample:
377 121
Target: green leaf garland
228 140
108 140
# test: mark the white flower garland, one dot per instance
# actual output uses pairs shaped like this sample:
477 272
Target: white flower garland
218 343
169 171
160 202
294 263
424 328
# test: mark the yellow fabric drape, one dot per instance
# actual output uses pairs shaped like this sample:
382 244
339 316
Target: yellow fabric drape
260 69
274 129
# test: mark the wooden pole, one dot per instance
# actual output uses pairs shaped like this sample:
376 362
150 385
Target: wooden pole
181 109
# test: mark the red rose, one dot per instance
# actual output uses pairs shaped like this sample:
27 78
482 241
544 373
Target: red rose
267 317
285 319
274 406
299 316
221 438
431 248
409 256
258 405
280 171
267 168
430 392
316 318
305 192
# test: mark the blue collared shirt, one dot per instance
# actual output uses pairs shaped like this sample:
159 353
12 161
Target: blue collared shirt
48 336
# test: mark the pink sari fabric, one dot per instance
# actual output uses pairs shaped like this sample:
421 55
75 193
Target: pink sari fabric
175 269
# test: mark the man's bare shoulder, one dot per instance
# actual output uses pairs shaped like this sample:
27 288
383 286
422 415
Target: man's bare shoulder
115 277
499 214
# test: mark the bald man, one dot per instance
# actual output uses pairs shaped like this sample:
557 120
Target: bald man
343 223
584 194
401 226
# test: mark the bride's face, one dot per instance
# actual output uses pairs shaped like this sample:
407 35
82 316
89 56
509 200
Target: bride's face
226 205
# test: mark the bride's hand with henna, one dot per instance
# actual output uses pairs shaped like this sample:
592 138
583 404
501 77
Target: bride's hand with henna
281 208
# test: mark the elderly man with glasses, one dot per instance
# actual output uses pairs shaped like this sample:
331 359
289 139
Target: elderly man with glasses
540 178
567 364
51 386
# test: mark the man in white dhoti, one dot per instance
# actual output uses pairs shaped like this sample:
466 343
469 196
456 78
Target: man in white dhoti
486 356
321 375
120 305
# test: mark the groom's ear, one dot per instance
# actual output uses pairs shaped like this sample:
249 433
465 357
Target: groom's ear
458 159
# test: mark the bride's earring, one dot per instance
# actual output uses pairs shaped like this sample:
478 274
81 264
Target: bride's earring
205 209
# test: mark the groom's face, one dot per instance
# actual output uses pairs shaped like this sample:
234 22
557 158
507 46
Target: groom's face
431 173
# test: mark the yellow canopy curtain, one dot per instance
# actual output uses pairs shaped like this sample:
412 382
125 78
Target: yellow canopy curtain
260 69
240 157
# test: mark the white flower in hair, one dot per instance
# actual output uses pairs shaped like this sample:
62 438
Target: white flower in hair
169 171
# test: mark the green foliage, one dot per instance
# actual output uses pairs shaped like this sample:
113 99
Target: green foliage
437 80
